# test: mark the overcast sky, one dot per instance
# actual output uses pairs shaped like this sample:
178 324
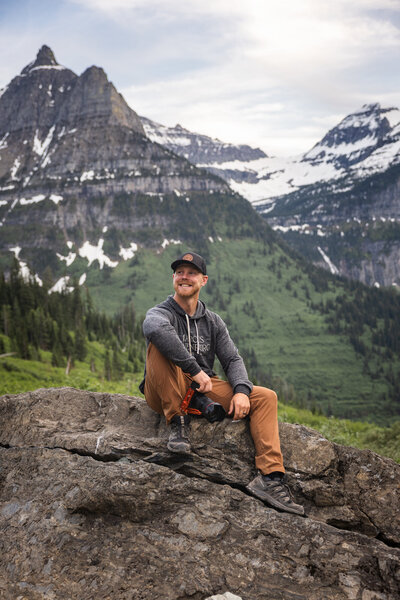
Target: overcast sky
271 73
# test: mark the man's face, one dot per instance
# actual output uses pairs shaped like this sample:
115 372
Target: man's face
188 281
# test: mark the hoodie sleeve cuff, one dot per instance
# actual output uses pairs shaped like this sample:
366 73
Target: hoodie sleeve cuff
241 388
193 370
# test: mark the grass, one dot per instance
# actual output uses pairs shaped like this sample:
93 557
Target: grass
382 440
18 375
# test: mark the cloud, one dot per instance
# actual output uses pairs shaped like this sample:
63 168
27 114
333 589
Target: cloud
260 71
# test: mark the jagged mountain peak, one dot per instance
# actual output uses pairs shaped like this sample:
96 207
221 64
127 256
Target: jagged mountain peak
354 138
196 147
44 59
94 72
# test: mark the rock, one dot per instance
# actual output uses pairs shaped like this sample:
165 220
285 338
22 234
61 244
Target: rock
226 596
93 506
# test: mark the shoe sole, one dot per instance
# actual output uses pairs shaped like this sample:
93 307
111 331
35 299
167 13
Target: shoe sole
179 448
268 499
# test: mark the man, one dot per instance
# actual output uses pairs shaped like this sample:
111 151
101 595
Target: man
183 337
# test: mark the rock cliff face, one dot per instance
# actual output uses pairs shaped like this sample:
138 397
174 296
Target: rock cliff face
74 159
92 505
354 232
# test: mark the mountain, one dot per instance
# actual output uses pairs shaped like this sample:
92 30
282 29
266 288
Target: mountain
337 204
199 149
87 197
77 172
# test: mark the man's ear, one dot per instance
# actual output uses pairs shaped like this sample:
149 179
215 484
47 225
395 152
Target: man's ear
205 279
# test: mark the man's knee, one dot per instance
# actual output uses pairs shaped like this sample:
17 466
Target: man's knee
264 396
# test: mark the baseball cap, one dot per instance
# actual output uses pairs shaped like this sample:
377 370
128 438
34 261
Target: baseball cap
191 258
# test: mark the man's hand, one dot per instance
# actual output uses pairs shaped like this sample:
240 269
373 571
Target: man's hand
204 381
239 407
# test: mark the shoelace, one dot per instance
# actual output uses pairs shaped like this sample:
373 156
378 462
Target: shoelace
181 427
280 491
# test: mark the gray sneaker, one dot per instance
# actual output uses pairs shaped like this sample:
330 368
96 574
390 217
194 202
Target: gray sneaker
179 434
275 493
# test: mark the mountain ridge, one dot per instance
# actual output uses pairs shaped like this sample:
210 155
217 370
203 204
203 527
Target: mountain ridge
360 152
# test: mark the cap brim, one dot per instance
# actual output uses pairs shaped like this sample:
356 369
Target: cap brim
176 263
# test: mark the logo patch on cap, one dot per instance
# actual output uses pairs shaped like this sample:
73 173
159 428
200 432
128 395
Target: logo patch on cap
187 257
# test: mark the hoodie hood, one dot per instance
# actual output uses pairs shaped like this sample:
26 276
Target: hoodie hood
200 310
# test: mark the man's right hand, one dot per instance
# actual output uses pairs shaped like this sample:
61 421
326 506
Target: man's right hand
204 381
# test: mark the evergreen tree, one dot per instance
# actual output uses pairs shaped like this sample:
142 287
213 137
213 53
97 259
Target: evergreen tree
107 367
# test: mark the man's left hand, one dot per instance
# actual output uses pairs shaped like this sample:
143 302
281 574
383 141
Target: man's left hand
239 407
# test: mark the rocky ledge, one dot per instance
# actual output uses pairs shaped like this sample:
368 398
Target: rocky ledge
93 506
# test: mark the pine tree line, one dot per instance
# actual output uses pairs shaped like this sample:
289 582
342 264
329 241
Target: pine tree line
63 323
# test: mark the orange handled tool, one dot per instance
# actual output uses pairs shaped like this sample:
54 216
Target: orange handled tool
185 405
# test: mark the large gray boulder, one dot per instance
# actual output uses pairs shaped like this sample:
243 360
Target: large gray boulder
93 506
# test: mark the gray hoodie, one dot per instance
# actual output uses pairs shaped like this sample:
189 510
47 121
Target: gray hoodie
192 343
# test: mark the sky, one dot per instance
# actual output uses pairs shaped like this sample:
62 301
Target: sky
274 74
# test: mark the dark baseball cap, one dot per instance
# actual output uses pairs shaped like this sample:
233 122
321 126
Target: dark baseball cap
191 258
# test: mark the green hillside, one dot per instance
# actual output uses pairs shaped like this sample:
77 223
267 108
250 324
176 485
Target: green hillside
55 340
61 339
293 323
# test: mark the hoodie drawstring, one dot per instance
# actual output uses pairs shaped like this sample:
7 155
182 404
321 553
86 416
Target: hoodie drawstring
197 334
188 327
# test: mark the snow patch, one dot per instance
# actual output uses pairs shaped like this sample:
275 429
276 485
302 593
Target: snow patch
33 200
61 285
14 168
54 67
92 253
128 253
334 270
23 267
87 176
168 242
56 199
67 259
82 279
3 141
39 147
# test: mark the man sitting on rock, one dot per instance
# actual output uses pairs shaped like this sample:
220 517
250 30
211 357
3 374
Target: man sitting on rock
183 337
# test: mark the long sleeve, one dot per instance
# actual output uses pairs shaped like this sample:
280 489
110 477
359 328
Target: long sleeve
230 359
159 330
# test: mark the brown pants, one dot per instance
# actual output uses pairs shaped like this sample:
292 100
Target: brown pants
166 385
